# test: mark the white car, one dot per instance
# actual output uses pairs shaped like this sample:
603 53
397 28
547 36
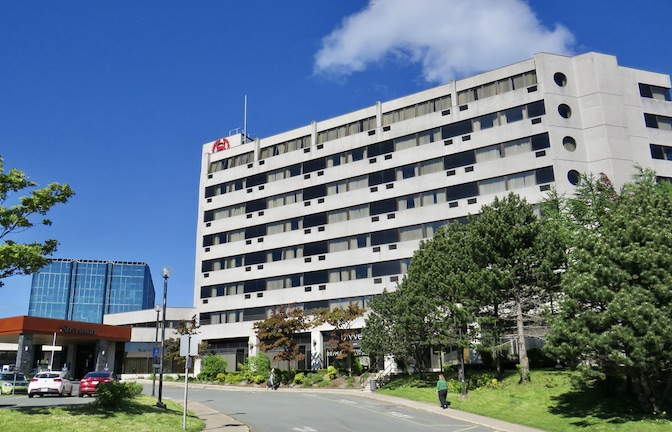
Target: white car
50 382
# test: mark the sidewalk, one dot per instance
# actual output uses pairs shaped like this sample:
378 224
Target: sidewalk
218 422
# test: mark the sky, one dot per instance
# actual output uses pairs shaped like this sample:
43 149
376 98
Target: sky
116 98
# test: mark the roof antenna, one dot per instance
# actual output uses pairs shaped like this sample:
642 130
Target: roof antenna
245 122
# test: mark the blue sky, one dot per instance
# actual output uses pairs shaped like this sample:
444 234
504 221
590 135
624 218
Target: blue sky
116 98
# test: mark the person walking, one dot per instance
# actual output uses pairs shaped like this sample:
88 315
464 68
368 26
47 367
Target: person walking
442 391
271 380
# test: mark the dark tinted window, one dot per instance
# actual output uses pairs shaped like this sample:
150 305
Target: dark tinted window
536 109
315 192
255 205
460 128
540 142
545 175
459 160
380 148
385 206
255 258
385 268
255 231
314 165
315 248
315 220
466 190
256 180
317 277
384 237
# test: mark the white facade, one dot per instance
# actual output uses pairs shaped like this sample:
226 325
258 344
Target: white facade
332 212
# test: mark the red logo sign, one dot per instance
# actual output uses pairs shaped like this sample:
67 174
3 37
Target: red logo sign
220 144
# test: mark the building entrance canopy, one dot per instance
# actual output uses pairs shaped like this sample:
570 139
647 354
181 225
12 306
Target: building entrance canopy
67 332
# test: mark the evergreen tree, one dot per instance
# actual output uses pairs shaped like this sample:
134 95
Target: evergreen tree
616 315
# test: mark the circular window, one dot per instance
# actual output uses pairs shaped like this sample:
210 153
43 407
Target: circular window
573 177
560 79
565 111
569 143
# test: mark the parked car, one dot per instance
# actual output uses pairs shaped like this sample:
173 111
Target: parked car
89 384
13 381
51 382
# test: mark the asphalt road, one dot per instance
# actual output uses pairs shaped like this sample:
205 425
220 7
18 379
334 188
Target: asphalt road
295 410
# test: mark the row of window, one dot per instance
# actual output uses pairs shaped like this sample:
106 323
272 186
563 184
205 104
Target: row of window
427 107
464 127
494 88
377 238
470 157
364 271
391 205
262 313
409 141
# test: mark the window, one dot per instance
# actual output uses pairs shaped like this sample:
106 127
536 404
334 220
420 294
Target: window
661 152
565 111
654 92
569 143
560 79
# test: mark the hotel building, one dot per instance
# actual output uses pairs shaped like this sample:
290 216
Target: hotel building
331 213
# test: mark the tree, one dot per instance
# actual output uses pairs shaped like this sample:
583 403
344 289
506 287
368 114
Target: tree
616 315
426 308
341 320
507 249
172 345
277 332
20 258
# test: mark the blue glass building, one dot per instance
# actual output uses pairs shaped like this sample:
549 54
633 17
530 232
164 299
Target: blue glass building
85 290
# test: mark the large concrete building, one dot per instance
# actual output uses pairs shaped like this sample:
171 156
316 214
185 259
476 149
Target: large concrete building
331 213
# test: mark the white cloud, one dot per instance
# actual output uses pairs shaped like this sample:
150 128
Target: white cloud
448 38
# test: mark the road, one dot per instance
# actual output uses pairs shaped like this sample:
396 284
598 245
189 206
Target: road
295 410
316 411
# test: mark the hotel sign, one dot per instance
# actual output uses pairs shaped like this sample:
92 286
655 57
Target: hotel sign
75 330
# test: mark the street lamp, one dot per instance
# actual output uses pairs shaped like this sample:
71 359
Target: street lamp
157 308
165 272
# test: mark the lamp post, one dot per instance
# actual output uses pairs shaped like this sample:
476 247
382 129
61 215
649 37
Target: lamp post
157 308
165 272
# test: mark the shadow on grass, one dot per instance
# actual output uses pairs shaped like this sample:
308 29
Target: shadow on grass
592 403
126 408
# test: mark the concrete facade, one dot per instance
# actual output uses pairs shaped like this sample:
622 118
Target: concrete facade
331 213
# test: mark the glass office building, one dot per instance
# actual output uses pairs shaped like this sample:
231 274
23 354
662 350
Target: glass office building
85 290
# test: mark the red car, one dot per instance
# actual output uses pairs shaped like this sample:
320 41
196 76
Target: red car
89 384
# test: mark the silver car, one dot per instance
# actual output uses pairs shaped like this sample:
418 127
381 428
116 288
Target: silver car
50 382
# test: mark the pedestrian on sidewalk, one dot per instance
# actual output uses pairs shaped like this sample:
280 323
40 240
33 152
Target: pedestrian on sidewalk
442 391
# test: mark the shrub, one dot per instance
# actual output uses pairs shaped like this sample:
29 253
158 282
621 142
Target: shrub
332 373
113 394
211 366
299 378
259 364
231 378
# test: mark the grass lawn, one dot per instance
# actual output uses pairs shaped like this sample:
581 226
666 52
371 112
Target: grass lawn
548 402
138 415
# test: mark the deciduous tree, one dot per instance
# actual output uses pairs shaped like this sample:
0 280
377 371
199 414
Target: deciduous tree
341 320
276 333
16 215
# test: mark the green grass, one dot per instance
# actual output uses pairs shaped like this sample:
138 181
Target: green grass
547 402
138 415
